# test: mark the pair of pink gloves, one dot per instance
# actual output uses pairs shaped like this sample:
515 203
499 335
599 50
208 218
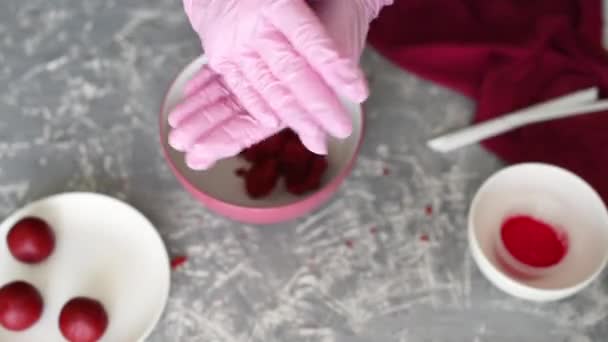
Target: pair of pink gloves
272 64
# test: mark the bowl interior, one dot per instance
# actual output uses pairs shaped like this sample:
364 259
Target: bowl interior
221 182
552 195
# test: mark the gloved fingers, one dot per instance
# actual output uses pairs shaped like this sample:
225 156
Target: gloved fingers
305 32
315 142
282 100
234 135
317 98
203 77
205 96
247 95
227 140
203 121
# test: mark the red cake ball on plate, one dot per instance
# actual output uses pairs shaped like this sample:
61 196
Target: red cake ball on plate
83 320
20 306
31 240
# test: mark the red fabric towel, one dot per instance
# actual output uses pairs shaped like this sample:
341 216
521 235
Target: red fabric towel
506 55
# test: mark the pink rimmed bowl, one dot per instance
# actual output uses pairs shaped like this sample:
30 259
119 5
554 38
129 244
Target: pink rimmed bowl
223 191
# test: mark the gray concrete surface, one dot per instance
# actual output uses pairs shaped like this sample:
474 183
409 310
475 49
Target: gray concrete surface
81 83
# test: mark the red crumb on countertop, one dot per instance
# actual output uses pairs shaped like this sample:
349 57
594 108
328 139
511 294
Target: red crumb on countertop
178 261
428 210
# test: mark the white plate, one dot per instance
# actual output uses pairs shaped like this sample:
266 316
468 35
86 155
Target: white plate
106 250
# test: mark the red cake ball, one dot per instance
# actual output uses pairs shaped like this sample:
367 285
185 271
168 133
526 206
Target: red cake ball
31 240
20 306
83 320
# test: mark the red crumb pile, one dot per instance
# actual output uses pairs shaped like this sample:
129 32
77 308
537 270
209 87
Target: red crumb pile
534 242
282 155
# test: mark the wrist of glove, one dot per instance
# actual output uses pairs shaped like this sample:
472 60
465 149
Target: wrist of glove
373 7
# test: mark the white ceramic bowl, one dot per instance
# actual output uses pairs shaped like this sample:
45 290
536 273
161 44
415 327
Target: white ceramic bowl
105 250
221 190
555 196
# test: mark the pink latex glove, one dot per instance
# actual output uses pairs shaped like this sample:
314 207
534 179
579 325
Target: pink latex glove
279 61
218 119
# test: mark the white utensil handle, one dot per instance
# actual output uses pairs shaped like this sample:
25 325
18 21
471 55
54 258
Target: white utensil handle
570 100
558 113
473 134
556 108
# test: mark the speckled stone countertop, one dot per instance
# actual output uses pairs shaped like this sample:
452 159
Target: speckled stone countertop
81 83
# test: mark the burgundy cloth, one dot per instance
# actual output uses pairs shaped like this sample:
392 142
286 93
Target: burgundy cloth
506 55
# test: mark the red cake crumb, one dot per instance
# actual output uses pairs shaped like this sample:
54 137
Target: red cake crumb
428 210
294 155
282 155
240 172
311 180
265 149
178 261
262 178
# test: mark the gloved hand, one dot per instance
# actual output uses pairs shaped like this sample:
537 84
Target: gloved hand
223 115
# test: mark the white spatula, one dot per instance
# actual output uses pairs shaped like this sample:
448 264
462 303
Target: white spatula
577 103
